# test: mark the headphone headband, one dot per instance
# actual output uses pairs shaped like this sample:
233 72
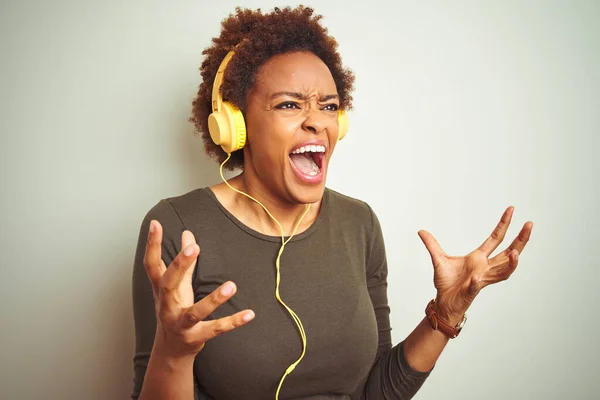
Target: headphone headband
217 96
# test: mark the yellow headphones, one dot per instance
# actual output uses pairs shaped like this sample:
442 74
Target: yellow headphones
226 123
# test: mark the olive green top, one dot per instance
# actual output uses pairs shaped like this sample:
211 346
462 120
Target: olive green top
333 275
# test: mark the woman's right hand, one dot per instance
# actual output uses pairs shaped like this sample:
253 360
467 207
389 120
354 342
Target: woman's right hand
181 330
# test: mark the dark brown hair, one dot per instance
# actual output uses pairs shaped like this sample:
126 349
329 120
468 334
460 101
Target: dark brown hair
260 37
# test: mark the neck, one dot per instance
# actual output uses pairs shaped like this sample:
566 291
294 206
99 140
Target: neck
287 213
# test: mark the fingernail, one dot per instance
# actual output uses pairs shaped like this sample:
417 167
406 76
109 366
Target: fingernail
227 289
151 226
189 250
248 317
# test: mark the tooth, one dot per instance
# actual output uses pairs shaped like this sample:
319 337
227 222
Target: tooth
313 148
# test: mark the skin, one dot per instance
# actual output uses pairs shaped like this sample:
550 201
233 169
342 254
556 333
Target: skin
272 132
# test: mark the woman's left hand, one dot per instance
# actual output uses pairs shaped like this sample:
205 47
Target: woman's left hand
459 279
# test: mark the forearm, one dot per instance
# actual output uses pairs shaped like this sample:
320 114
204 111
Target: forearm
168 378
423 346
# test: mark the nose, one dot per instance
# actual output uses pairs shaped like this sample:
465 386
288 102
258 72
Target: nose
314 121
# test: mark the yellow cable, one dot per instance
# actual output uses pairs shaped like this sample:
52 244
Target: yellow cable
278 278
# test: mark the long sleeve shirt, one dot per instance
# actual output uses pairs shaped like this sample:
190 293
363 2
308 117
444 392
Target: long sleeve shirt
333 275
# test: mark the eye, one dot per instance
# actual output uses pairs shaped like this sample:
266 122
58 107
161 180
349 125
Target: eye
331 107
288 105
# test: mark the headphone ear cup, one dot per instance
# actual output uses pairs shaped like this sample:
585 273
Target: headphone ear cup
343 124
217 127
227 128
238 139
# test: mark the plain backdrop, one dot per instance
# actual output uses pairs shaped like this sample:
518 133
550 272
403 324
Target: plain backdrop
461 109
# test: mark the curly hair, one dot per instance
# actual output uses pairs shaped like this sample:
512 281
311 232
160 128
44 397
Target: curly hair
260 37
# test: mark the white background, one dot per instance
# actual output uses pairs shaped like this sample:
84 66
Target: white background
461 109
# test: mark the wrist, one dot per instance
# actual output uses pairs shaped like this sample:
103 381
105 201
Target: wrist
171 362
444 322
446 313
165 354
448 317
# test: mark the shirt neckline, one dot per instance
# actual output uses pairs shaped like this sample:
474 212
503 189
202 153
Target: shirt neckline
320 217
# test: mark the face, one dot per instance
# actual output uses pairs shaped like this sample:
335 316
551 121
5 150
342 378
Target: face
292 126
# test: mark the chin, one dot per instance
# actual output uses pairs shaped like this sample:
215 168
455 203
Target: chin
306 194
304 190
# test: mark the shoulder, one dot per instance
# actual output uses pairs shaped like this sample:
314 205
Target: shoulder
347 207
358 221
179 213
182 207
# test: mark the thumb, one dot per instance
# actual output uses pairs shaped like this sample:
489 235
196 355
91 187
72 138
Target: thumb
433 247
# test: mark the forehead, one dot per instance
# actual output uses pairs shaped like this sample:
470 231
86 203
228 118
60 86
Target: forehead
301 72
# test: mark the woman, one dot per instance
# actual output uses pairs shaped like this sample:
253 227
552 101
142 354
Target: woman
323 330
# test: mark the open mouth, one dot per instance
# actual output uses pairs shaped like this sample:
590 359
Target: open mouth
308 159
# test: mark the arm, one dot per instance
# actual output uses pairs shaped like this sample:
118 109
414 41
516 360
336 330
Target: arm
399 373
170 327
424 345
156 371
391 376
168 377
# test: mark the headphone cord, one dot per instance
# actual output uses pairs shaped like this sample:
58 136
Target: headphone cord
278 278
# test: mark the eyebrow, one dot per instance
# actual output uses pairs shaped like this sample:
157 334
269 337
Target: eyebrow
300 96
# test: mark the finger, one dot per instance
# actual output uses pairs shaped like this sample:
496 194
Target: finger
518 244
202 309
433 247
187 238
226 324
498 234
502 268
175 274
522 238
155 267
